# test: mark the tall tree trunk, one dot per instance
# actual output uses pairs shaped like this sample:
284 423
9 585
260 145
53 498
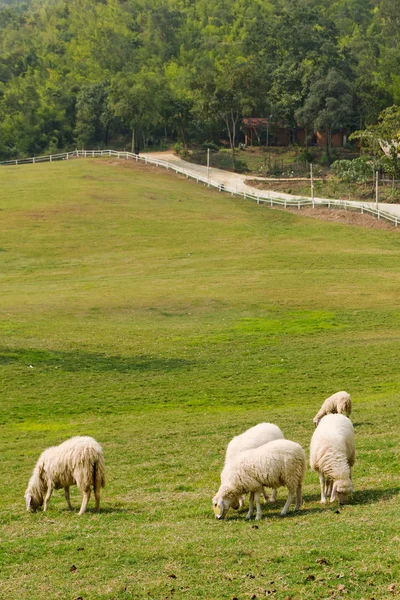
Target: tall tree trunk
183 135
106 133
231 143
328 152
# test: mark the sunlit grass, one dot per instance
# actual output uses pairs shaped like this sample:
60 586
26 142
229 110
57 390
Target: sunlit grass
163 318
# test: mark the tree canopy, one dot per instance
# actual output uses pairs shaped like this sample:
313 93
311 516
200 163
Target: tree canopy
91 72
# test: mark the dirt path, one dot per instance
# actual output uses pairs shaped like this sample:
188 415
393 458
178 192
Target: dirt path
238 182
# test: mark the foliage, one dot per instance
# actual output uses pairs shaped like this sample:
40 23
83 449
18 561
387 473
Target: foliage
357 170
86 72
383 139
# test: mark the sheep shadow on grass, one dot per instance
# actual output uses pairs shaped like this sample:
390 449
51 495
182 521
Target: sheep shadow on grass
79 361
370 496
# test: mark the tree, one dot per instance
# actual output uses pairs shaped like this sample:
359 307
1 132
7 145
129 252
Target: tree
383 138
329 105
138 98
223 91
93 114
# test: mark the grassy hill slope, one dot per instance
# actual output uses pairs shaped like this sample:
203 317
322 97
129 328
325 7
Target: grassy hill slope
163 318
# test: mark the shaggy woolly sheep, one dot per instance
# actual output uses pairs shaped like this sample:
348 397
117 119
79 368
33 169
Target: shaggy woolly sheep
338 403
332 454
79 461
275 464
252 438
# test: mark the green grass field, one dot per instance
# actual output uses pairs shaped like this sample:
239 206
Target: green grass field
163 318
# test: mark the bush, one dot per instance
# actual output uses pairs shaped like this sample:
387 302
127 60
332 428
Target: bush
211 145
305 156
180 150
357 170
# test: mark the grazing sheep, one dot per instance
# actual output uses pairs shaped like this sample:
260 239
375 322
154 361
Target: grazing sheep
277 463
79 461
252 438
338 403
332 454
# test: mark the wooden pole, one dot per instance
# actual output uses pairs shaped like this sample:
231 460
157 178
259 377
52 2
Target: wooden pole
312 182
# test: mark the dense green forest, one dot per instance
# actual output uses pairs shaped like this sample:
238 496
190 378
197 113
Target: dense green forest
107 72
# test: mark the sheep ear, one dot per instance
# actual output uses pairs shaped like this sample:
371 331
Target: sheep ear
334 492
28 499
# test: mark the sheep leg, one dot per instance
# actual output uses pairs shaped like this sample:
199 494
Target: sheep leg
299 498
97 496
257 497
47 497
322 484
328 487
67 497
241 502
251 506
85 500
273 495
288 503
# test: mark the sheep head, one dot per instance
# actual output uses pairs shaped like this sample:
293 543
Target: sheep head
33 500
35 490
222 502
342 489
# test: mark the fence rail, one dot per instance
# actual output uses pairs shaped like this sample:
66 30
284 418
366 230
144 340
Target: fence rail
268 197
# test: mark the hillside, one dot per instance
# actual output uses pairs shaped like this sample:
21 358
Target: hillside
163 318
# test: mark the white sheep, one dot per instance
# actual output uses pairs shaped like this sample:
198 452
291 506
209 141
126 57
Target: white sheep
337 403
252 438
79 461
275 464
332 455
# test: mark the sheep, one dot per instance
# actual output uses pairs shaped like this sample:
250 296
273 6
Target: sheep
277 463
79 461
332 455
252 438
338 403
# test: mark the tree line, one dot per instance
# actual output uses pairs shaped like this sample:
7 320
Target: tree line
92 73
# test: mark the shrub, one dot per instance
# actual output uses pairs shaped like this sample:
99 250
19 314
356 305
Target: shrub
180 149
211 145
357 170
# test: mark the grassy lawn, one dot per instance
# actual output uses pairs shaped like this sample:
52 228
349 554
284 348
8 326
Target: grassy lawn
163 318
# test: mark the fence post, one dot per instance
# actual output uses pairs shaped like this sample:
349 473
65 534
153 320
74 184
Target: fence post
67 156
50 157
33 160
362 210
285 203
258 199
298 207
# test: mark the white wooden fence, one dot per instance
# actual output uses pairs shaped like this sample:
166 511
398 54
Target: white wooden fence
269 197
